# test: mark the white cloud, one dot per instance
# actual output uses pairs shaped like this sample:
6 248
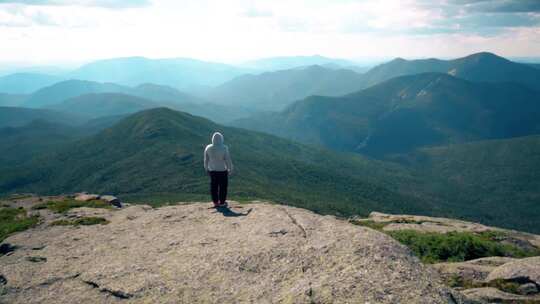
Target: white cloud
114 4
243 29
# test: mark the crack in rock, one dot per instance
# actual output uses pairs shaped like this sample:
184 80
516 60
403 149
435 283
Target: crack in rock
116 293
7 248
293 220
277 233
58 279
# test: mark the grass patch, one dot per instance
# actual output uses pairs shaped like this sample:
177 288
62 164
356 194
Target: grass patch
65 205
370 224
456 246
84 221
14 220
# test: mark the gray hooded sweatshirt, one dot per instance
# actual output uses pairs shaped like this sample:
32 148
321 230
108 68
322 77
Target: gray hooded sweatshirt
216 155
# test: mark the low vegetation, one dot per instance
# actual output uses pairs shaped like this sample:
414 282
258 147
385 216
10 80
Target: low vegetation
369 223
14 220
432 247
83 221
62 206
457 246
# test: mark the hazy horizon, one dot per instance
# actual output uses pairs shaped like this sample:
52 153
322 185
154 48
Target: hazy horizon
58 32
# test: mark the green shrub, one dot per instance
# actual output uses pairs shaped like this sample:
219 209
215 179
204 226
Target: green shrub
369 223
456 246
85 221
64 205
14 220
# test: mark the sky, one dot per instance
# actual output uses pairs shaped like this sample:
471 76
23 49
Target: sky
68 32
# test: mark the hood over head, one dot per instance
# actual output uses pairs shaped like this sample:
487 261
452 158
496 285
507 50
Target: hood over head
217 139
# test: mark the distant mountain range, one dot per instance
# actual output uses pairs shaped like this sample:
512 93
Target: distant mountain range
26 83
483 67
275 90
456 138
12 100
291 62
408 112
93 99
104 104
61 91
175 72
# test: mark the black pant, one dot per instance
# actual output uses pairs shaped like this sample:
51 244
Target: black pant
219 181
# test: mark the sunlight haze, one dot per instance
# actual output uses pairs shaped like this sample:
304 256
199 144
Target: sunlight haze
63 32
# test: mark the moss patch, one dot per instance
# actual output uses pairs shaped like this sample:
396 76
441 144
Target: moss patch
64 205
14 220
369 223
85 221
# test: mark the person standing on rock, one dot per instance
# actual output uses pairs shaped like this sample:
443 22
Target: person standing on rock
218 165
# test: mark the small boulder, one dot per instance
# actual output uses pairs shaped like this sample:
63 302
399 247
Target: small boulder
474 270
86 197
113 200
493 295
528 289
528 268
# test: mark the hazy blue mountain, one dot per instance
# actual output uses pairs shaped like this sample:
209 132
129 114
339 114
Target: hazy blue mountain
408 112
12 100
26 83
61 91
276 90
486 67
164 93
104 104
175 72
16 117
290 62
93 99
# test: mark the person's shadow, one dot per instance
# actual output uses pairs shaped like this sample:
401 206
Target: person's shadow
226 211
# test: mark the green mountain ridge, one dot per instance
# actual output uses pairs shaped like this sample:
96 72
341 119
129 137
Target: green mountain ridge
17 116
157 153
407 112
497 180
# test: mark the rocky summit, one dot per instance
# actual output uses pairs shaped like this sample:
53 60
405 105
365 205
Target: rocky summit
192 253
